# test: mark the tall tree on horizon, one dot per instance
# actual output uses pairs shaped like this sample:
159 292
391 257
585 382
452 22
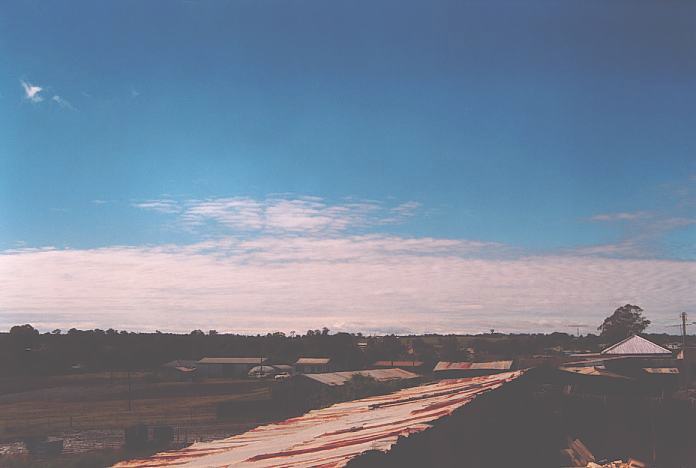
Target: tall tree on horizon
627 320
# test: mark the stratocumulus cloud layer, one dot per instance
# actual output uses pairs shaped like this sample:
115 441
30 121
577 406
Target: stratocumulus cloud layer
369 283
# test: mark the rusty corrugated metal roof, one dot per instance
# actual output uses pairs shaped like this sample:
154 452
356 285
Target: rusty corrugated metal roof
381 375
333 436
398 364
445 366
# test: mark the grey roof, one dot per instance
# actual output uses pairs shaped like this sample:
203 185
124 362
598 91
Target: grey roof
284 367
181 363
493 365
313 361
232 360
636 345
380 375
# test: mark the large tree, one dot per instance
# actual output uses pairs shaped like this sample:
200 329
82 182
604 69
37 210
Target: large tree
627 320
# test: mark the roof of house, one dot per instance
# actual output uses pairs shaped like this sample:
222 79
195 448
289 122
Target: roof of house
636 345
448 366
313 361
335 435
398 364
595 371
381 375
492 365
232 360
661 370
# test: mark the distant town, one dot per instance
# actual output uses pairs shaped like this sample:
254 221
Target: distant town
620 397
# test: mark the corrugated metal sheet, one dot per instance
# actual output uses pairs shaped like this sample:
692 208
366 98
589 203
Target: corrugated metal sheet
493 365
312 361
446 366
661 370
331 437
232 360
594 371
381 375
398 364
636 345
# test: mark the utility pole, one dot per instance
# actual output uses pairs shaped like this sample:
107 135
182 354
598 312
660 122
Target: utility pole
129 390
683 317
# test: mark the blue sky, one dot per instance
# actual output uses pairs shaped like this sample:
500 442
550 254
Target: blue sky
535 130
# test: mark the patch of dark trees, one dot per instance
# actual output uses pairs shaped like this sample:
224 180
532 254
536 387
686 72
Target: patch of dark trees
26 351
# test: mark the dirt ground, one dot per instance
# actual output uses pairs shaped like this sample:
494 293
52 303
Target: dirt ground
90 411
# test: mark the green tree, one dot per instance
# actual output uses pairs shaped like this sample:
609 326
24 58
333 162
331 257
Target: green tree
627 320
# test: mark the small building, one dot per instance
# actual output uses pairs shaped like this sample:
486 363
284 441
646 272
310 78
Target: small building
309 391
453 370
413 366
265 371
313 365
335 379
633 365
229 366
636 345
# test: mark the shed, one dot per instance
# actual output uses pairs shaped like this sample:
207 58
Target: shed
229 366
312 365
414 366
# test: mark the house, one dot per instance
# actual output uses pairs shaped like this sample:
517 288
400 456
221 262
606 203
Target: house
311 365
649 368
228 366
413 366
636 345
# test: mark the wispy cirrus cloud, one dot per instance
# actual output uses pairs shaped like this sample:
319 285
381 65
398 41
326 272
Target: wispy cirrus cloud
623 216
62 102
32 93
161 206
308 215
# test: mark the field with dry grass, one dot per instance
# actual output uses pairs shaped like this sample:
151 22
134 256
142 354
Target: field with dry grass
90 411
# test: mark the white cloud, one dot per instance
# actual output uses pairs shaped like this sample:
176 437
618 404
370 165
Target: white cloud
62 102
624 216
369 283
300 215
161 206
32 92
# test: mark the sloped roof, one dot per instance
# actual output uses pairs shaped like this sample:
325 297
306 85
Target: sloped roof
313 361
595 371
493 365
381 375
232 360
446 366
398 364
636 345
333 436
